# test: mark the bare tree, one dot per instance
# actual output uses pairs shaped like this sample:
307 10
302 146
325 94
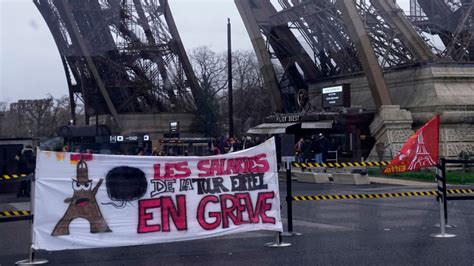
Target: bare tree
36 118
251 100
210 70
31 115
60 113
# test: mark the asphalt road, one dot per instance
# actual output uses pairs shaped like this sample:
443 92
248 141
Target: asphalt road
389 231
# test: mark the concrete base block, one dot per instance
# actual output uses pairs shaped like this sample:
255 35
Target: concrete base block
318 170
305 177
334 170
391 127
321 178
352 179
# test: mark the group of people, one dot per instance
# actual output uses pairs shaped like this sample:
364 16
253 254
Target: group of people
314 149
216 146
231 144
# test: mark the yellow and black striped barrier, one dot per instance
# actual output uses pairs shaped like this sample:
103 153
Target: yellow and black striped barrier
13 213
380 195
339 165
11 177
12 216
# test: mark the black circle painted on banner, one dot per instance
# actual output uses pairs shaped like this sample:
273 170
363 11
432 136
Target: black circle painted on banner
126 183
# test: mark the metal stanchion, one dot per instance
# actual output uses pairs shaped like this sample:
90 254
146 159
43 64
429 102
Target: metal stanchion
31 259
278 242
442 178
289 203
442 199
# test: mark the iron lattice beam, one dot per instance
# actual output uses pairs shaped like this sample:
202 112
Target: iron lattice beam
122 56
452 21
374 36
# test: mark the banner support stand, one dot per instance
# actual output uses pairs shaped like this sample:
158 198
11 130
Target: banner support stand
289 203
442 200
31 258
278 242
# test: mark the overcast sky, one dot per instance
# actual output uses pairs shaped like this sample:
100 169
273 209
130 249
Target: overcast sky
30 66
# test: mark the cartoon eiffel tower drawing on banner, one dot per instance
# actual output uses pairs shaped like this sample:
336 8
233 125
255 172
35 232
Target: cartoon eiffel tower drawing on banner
422 156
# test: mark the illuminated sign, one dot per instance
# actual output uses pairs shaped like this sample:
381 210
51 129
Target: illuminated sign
174 127
332 89
336 96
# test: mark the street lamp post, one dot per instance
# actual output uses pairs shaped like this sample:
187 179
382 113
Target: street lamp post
229 81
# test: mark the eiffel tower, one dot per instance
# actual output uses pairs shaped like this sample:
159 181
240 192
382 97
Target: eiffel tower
422 156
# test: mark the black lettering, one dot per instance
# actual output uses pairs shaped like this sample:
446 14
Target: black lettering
248 182
185 184
218 185
238 183
210 186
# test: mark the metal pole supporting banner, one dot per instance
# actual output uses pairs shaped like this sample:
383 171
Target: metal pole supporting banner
441 200
278 242
31 259
289 202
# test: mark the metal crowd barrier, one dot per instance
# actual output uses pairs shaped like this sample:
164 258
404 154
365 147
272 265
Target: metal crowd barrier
442 196
13 216
339 165
12 177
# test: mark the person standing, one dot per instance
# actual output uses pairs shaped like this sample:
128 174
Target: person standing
216 150
324 143
316 149
298 150
26 166
306 152
233 146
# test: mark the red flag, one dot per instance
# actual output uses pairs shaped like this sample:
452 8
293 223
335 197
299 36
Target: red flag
421 150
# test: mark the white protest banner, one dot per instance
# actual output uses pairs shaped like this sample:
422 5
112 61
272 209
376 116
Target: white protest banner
93 200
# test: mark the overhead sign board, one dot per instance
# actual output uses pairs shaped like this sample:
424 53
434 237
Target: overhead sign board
287 118
336 96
